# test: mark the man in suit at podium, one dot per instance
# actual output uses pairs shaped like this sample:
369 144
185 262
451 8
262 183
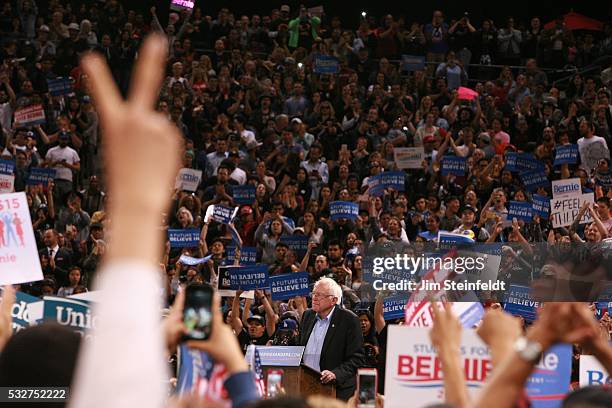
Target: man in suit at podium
333 339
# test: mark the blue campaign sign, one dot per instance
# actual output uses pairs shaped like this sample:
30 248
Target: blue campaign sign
20 311
550 380
297 243
326 64
540 206
343 209
394 307
244 194
566 154
39 175
248 277
7 167
248 255
413 63
59 86
518 301
454 165
290 285
388 179
73 313
184 238
448 240
534 179
519 162
191 261
521 210
220 213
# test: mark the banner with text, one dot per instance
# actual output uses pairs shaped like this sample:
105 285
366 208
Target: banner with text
184 238
290 285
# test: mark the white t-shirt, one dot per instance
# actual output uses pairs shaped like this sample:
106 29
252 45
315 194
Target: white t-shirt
591 150
58 154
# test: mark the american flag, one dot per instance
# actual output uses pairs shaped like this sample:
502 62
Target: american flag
259 377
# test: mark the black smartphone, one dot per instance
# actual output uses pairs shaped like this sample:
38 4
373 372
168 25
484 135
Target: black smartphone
197 313
367 378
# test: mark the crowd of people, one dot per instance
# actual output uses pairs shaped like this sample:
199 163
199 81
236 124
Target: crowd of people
252 108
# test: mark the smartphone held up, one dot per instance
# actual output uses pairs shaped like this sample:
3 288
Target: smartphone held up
197 313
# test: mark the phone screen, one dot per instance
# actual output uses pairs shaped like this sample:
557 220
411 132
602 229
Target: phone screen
197 313
367 388
274 383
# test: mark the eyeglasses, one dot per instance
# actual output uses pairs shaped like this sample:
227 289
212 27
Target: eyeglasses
316 295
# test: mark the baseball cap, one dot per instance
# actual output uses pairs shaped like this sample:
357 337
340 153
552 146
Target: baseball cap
288 324
285 8
44 28
296 120
73 26
257 318
468 207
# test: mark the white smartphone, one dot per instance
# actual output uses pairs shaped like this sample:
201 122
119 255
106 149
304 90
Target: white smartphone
367 378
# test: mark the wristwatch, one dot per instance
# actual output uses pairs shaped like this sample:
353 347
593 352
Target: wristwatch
528 350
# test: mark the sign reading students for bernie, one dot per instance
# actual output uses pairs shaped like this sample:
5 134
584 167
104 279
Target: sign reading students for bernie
566 154
184 238
19 261
244 194
288 286
454 165
540 206
549 382
188 179
521 210
39 175
518 301
388 179
326 64
408 157
248 277
343 209
534 179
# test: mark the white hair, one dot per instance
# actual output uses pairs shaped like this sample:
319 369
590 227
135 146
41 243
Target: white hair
333 286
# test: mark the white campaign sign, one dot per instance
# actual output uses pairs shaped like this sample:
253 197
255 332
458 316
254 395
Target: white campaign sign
592 372
414 372
19 261
408 157
7 183
563 210
567 187
188 179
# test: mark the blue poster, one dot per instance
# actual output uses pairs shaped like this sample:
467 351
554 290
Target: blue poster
248 277
534 179
540 205
244 195
73 313
20 312
7 167
343 209
326 64
184 238
521 210
39 175
394 306
59 86
448 240
191 261
550 380
454 165
248 255
290 285
221 213
413 63
388 179
519 162
518 301
297 243
566 154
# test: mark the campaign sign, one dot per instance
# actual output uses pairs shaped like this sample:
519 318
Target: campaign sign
454 165
59 86
343 209
534 179
549 382
414 371
220 213
30 116
7 183
191 261
521 210
19 261
198 374
179 5
188 179
244 195
326 64
297 243
519 162
39 175
566 154
563 210
248 255
518 301
184 238
289 285
540 205
7 167
282 356
388 179
592 372
394 307
20 312
567 187
72 313
420 314
448 240
248 277
408 157
411 63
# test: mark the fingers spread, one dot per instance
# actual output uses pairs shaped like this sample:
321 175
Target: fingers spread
102 85
148 73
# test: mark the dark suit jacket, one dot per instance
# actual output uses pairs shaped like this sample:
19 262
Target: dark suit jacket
63 262
342 351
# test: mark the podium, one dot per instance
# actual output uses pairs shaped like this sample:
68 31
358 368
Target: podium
298 379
